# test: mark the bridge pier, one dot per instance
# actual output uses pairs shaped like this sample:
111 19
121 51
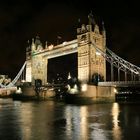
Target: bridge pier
99 93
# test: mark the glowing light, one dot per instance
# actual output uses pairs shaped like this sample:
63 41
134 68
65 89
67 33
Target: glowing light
51 89
68 86
84 87
115 90
69 76
64 43
75 86
73 90
19 90
50 47
23 80
82 41
98 53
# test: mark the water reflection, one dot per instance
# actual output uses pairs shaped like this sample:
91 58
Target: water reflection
68 116
98 121
115 120
9 124
58 121
76 122
36 120
84 122
26 117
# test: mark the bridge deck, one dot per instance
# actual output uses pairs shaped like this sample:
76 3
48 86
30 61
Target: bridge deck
120 83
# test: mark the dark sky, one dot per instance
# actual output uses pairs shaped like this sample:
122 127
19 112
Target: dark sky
23 20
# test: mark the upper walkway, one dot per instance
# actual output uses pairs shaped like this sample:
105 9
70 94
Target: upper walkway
60 50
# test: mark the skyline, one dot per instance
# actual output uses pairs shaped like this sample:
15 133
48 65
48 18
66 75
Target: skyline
24 20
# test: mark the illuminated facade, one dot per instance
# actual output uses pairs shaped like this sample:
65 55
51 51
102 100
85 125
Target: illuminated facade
90 61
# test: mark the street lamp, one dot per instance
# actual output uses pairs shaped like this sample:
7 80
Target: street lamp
98 54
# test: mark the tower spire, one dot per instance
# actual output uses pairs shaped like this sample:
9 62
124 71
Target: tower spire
33 47
103 27
91 19
104 34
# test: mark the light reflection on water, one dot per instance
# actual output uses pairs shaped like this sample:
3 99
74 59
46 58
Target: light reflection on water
51 120
76 122
115 120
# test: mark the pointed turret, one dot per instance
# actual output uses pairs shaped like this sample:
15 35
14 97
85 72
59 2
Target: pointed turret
46 45
33 45
91 22
91 19
96 29
38 44
104 34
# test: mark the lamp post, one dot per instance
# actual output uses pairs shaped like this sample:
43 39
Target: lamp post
98 54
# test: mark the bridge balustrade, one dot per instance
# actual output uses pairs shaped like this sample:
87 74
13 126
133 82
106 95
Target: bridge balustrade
119 83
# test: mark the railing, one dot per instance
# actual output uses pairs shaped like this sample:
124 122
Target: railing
119 83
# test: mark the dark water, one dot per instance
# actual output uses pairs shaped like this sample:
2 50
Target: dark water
50 120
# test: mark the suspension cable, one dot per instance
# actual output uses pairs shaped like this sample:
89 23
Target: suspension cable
11 84
118 61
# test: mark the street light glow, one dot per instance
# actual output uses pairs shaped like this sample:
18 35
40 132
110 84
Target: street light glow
98 53
84 87
115 90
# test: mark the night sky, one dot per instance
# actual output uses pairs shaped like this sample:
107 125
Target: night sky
23 20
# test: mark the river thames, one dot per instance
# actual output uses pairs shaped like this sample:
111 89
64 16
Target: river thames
49 120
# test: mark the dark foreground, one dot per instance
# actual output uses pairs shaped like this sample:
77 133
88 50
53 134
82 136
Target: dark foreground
49 120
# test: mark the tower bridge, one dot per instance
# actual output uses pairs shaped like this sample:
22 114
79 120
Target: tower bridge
89 61
92 56
90 45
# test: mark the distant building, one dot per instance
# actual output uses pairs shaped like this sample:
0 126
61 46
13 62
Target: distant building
4 79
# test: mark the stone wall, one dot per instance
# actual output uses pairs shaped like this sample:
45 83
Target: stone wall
90 92
99 92
39 68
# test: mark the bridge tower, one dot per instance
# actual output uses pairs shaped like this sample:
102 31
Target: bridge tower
36 67
90 61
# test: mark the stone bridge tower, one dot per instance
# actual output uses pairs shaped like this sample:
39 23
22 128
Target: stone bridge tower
90 61
36 67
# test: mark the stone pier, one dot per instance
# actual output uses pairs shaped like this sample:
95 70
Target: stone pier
99 93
